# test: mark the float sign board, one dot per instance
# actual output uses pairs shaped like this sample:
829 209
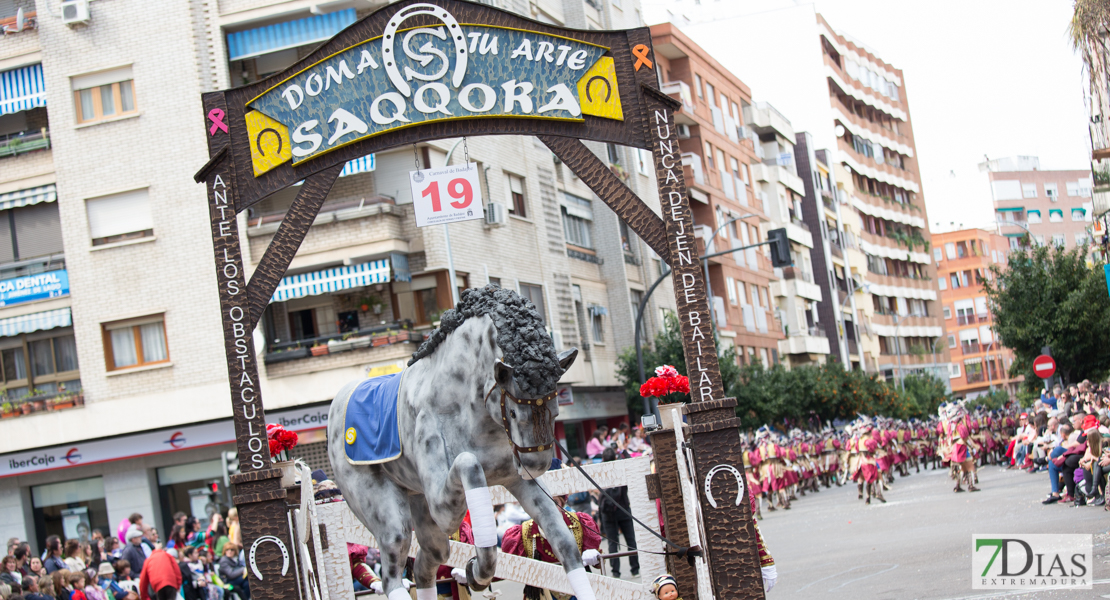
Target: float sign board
446 194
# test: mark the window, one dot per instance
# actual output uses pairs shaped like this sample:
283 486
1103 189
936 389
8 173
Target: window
1039 240
950 250
614 155
1078 214
951 341
30 231
709 155
119 217
104 95
697 84
730 284
938 255
1028 190
710 93
1072 187
955 280
135 343
1034 216
643 161
1055 216
54 363
597 326
308 322
577 215
516 195
1080 239
495 281
535 294
953 370
1051 191
947 312
1059 240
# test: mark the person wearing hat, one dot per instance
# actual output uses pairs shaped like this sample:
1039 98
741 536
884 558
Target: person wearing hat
134 553
106 579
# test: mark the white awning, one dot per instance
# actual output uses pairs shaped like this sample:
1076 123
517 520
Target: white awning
893 253
906 330
35 322
27 197
886 213
331 280
892 291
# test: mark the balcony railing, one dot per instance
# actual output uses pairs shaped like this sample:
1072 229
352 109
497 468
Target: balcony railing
976 377
367 337
797 273
965 319
682 90
23 142
39 401
971 347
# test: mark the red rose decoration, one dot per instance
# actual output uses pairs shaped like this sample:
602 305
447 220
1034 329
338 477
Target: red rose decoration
668 382
280 438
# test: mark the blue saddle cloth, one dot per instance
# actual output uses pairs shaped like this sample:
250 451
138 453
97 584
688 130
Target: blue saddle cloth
371 433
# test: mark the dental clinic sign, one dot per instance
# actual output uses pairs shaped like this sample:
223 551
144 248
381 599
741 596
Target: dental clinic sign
52 284
417 75
1031 562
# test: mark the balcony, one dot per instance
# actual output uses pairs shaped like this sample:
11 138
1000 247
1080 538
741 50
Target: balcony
764 118
680 90
812 340
834 247
797 231
828 199
853 347
23 142
39 402
976 377
772 170
971 347
965 319
796 282
368 345
689 159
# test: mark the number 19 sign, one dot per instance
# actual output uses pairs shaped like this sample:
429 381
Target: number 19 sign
446 194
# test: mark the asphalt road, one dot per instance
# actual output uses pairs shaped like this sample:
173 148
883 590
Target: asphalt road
918 544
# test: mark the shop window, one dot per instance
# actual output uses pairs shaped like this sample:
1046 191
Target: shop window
70 509
104 95
195 489
135 343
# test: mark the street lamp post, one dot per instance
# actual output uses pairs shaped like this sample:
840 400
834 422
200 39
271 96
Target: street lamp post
935 342
898 348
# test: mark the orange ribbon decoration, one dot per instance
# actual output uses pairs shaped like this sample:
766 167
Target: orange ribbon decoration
640 51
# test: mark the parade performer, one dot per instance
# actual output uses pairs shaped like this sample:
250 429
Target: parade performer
772 469
867 470
527 539
963 447
751 473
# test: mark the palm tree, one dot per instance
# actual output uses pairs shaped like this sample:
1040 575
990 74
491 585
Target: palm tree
1089 30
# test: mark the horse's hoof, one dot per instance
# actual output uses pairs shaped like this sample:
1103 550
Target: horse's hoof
471 579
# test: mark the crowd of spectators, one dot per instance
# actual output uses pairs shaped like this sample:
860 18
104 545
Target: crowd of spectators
196 563
1067 436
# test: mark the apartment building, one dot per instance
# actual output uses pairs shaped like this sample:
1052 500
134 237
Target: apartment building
115 390
980 363
1051 207
855 107
725 175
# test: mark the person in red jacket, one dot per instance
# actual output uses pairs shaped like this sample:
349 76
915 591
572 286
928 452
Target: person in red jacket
161 575
527 540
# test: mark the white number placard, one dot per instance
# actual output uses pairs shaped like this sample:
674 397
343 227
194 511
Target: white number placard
446 194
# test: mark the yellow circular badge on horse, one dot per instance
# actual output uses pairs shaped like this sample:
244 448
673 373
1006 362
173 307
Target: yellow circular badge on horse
350 435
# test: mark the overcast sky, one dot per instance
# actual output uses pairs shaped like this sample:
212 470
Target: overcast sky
993 77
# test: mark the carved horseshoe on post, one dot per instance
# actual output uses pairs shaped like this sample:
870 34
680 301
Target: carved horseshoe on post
390 36
709 482
280 545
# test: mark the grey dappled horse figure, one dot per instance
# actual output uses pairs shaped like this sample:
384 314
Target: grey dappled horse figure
490 369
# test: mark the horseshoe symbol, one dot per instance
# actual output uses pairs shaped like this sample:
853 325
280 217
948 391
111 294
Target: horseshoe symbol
709 482
390 34
258 140
608 87
280 545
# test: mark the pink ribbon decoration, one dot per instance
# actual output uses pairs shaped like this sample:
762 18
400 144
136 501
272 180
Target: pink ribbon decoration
217 117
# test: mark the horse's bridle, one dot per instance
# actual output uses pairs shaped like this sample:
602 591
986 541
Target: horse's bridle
541 419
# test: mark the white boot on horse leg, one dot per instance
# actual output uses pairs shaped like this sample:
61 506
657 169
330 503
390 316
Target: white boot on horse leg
550 518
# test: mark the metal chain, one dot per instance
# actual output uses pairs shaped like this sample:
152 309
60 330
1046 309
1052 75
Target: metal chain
416 157
466 154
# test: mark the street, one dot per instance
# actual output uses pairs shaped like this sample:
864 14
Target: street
918 544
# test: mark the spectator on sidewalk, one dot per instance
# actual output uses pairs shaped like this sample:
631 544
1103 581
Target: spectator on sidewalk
53 558
232 572
133 553
75 556
161 577
1055 461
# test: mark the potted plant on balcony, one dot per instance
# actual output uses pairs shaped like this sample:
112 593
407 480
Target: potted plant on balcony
319 349
7 411
62 402
380 339
343 344
371 304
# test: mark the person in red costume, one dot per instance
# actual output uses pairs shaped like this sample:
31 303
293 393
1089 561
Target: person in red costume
451 590
528 540
964 448
866 474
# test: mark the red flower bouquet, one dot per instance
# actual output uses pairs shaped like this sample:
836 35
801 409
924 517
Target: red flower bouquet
666 381
281 440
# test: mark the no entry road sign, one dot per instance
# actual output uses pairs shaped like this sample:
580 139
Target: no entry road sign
1044 366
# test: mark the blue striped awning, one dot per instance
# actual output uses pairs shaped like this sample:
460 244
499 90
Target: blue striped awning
331 280
21 89
358 165
35 322
290 34
29 196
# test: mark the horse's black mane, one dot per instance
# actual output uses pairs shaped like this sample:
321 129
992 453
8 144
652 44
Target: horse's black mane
524 341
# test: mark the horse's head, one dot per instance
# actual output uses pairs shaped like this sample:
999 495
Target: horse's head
530 422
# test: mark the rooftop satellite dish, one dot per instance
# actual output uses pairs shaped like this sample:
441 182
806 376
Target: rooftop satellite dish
20 22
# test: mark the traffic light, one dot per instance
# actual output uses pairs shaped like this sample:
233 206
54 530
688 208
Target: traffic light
780 248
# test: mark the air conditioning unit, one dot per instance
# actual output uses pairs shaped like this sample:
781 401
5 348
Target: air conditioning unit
496 215
683 131
75 11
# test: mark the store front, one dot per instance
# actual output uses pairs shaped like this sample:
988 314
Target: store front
70 509
583 409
